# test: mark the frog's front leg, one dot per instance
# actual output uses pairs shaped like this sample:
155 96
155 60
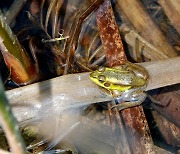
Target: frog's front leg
132 98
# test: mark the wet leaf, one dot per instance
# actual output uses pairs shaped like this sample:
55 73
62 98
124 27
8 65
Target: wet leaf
22 69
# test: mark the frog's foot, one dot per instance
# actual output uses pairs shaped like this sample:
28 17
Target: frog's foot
131 103
126 105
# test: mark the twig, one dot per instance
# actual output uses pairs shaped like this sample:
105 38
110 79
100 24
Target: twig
171 9
145 26
77 89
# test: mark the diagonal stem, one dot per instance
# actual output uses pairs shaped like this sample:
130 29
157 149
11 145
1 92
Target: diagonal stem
72 43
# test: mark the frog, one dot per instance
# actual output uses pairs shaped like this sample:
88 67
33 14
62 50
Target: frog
125 83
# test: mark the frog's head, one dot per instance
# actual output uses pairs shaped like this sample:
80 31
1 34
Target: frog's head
98 78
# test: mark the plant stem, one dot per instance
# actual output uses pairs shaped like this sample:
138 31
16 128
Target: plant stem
9 125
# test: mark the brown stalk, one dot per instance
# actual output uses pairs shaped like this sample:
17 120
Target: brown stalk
115 55
109 34
137 127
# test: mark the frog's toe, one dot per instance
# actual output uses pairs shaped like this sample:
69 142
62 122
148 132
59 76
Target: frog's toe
116 93
123 106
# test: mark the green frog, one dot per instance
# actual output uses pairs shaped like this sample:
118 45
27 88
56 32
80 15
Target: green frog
125 83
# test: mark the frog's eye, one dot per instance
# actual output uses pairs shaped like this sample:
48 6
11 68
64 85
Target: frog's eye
107 84
102 78
101 69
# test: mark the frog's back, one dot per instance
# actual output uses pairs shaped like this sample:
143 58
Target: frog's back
122 77
116 76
